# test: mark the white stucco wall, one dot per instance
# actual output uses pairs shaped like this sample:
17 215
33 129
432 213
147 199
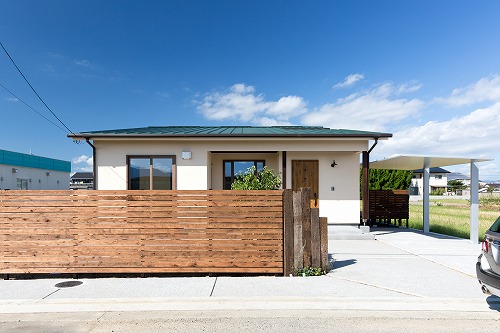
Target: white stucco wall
111 161
37 178
205 171
342 203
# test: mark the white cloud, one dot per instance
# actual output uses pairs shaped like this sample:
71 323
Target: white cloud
240 103
83 159
82 169
11 99
349 81
383 108
474 135
240 88
373 110
83 63
163 95
409 87
486 89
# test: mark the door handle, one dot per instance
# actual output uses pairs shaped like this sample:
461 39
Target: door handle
315 200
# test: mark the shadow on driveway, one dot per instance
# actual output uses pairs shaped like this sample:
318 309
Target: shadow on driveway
342 263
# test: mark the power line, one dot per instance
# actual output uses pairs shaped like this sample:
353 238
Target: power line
29 84
41 115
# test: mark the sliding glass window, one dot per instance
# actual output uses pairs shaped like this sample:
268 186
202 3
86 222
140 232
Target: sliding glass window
151 172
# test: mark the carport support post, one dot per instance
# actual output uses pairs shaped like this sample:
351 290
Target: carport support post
474 203
425 190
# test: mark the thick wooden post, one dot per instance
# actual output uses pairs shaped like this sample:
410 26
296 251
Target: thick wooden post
288 231
298 249
306 225
283 169
315 238
323 227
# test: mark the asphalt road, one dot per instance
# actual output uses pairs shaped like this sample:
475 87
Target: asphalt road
250 321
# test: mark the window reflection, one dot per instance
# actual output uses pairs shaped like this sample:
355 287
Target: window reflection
151 173
233 169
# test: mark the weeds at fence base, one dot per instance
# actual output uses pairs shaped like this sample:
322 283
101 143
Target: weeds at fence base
310 271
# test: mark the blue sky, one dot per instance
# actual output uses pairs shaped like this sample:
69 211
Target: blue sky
426 71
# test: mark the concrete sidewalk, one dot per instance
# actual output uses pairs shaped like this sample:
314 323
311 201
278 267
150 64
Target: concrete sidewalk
400 270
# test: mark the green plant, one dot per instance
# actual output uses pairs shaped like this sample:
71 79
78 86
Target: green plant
456 185
252 179
310 271
490 201
438 191
452 217
383 179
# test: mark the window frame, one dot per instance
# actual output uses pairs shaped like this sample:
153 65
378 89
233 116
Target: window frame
23 182
232 171
151 157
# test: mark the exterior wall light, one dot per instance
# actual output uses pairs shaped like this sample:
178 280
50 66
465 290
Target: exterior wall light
47 173
14 170
186 155
334 164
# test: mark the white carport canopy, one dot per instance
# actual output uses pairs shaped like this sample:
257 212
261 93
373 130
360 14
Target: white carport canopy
406 162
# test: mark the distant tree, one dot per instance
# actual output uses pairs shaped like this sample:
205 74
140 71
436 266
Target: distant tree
456 185
264 179
384 179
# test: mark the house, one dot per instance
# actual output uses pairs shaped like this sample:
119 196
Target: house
209 158
438 181
20 171
460 177
82 181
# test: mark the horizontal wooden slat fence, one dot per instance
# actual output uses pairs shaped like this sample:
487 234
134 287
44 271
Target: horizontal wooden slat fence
389 205
141 232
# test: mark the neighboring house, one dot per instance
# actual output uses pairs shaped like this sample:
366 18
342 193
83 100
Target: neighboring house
464 179
461 177
82 181
438 181
29 172
209 158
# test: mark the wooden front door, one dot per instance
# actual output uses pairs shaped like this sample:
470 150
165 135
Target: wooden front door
305 173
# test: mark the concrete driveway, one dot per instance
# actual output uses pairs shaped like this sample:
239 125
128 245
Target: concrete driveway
400 270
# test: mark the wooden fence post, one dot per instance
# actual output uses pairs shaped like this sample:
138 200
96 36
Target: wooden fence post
306 225
315 238
307 246
323 227
288 231
298 249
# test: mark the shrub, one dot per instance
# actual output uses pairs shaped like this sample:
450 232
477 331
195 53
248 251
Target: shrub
264 179
439 191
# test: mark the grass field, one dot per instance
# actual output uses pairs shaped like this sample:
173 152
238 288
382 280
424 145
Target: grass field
452 217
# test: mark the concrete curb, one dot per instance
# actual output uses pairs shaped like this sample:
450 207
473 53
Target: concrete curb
251 303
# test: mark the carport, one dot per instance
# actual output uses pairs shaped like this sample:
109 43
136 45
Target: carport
413 162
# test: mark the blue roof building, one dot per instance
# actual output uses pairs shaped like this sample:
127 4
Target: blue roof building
20 171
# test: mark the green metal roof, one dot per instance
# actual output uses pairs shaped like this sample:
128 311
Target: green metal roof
32 161
229 131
